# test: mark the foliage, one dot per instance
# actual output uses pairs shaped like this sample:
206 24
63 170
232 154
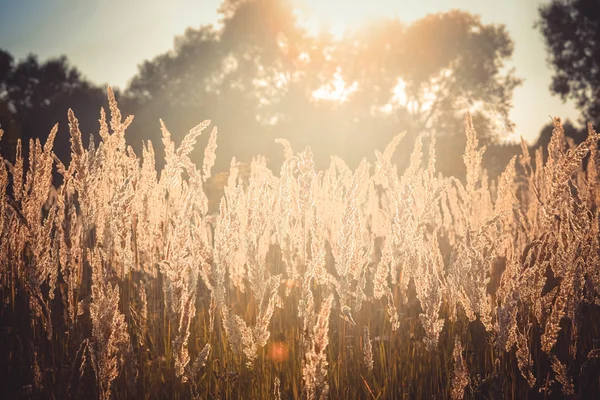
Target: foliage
33 93
263 66
570 29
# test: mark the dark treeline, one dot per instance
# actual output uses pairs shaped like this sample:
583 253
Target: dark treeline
255 74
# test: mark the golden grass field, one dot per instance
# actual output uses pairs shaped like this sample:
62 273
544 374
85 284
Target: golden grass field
370 283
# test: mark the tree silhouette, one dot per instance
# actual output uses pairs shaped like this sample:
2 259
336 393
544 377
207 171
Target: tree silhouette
257 74
12 131
449 62
571 29
35 96
8 122
6 66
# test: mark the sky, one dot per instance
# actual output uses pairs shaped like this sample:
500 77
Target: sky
107 39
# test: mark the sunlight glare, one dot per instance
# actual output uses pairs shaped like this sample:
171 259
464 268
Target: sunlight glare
337 90
333 17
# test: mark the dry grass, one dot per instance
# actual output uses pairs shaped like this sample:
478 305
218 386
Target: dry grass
118 283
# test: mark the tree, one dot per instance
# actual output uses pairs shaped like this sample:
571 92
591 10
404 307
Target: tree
35 96
12 131
6 66
446 64
238 76
571 29
257 77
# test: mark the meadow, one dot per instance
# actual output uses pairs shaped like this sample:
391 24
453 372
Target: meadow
372 283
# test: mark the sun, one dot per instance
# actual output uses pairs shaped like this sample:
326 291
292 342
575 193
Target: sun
337 19
333 17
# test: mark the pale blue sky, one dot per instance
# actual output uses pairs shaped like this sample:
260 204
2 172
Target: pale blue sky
107 39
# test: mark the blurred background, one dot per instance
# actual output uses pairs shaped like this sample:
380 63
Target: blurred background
342 77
